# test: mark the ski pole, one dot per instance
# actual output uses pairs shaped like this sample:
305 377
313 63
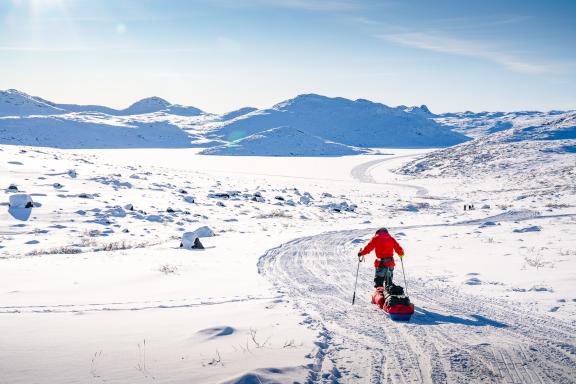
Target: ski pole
356 282
404 274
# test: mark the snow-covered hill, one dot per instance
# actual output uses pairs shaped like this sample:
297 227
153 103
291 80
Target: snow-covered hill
238 112
157 104
545 152
16 103
282 141
484 123
360 123
90 131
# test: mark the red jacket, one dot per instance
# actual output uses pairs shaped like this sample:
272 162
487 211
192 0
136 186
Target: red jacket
384 245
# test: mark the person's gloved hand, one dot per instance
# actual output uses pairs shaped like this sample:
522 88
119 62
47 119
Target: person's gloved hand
360 257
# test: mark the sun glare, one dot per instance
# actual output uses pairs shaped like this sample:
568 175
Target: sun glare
39 6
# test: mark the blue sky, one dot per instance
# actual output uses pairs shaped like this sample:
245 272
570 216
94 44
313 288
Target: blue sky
224 54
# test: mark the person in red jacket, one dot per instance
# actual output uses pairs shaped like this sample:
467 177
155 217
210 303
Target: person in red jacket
384 246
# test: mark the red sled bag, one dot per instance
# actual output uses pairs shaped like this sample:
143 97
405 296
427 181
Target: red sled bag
401 310
378 297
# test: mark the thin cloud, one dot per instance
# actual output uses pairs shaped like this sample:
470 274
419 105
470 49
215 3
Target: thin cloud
450 45
306 5
44 49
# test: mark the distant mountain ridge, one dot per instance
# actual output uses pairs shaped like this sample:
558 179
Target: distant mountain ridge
17 103
357 123
306 125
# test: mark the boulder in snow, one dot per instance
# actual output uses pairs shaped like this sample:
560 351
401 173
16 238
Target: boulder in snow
219 195
533 228
304 200
155 218
258 199
341 207
411 208
21 200
191 240
204 231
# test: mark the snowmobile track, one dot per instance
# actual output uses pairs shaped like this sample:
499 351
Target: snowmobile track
452 338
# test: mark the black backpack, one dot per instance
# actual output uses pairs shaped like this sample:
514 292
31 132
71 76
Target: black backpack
396 290
394 300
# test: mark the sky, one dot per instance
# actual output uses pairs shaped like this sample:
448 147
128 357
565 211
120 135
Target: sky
220 55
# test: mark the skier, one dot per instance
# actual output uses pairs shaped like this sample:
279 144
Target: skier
384 245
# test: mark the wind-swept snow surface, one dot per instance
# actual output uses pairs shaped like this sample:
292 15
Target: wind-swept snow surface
94 286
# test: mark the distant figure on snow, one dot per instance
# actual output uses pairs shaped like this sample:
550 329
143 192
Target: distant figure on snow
384 246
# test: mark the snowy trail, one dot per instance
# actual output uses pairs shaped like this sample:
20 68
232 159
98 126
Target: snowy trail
361 172
452 338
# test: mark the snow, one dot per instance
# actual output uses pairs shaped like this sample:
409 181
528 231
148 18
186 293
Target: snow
282 141
80 131
299 126
189 238
15 103
237 113
534 163
359 123
484 123
157 104
20 200
97 289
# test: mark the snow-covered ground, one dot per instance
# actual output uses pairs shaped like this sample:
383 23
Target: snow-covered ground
94 286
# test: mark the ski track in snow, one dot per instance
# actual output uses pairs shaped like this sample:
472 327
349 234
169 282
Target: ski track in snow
452 337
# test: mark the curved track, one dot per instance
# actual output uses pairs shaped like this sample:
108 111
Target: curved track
452 338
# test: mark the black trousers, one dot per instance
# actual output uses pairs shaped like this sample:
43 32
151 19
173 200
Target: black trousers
383 275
